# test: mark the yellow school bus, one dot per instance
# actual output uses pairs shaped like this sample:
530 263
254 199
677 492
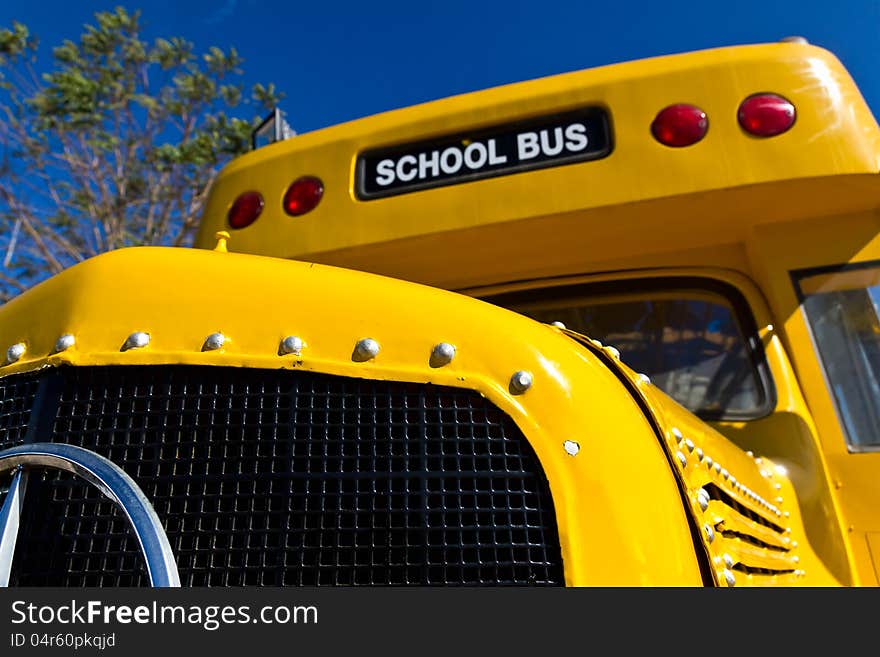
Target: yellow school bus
611 327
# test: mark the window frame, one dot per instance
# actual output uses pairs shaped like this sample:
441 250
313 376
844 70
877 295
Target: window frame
742 314
798 275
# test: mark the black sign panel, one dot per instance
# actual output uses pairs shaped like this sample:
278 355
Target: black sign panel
547 141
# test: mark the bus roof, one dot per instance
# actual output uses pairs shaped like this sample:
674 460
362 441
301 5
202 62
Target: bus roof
558 213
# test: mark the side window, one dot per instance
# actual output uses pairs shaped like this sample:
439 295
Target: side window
689 340
841 306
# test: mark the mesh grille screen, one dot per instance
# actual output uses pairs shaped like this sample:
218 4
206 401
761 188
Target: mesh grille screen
17 394
291 478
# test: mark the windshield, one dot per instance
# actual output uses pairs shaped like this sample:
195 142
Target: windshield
841 308
686 337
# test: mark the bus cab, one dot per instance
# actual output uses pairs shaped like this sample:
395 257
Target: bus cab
711 217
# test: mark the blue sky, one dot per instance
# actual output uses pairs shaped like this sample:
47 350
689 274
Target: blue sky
340 60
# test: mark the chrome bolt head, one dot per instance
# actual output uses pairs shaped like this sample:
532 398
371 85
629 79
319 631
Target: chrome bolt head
703 499
725 474
717 467
15 352
615 353
644 379
682 459
675 431
64 342
689 444
729 577
558 325
137 340
699 454
442 354
709 462
710 533
794 544
213 342
365 349
728 561
571 447
291 345
520 382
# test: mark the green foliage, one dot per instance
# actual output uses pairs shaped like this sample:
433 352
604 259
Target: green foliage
116 145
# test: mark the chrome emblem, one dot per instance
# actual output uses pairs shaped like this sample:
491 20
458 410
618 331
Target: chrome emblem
104 475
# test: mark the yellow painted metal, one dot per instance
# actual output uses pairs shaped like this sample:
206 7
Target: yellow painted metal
506 228
776 251
618 504
788 435
750 486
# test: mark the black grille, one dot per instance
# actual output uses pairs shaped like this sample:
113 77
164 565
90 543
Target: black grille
285 478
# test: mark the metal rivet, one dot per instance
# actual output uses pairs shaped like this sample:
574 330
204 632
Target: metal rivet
137 340
520 382
615 353
557 325
689 444
777 486
717 466
675 431
365 349
596 342
682 459
793 544
709 462
213 342
795 559
442 354
750 453
729 577
571 447
699 454
710 533
733 481
725 474
765 474
728 561
788 530
15 352
784 513
291 345
703 499
64 342
779 500
644 379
